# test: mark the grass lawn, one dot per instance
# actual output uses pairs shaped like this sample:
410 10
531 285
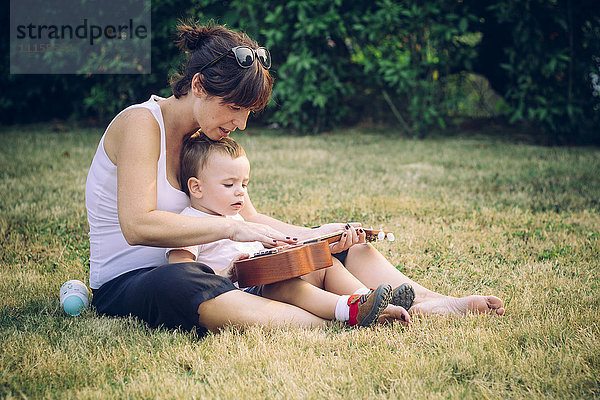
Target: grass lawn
470 215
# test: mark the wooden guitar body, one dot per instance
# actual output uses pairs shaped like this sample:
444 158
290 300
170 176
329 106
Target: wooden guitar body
283 263
286 263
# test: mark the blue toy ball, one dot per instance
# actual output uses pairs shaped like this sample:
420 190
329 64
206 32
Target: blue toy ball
74 297
73 305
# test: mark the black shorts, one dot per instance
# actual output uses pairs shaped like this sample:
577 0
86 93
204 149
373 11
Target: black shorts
167 296
341 256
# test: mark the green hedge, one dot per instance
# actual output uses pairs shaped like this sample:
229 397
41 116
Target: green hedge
337 62
543 57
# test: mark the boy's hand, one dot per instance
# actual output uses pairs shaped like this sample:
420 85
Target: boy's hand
230 272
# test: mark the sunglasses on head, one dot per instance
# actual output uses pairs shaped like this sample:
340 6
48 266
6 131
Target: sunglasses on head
245 57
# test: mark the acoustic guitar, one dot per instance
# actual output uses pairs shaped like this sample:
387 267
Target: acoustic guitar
281 263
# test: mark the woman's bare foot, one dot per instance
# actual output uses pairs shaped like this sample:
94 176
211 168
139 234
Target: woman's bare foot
394 313
453 305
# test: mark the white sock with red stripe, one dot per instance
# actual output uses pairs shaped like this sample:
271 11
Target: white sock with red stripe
342 309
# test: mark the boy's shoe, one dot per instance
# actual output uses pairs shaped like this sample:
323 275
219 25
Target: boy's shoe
403 296
366 308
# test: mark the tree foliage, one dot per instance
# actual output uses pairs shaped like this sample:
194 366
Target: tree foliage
339 61
543 56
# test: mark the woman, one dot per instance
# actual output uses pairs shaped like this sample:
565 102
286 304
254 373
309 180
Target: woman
133 200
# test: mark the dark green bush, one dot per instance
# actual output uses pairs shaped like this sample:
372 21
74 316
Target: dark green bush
542 56
338 62
410 51
328 53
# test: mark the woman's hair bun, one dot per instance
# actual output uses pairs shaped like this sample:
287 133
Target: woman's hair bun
245 87
190 37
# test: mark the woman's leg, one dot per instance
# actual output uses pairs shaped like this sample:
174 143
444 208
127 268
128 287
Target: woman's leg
371 268
243 309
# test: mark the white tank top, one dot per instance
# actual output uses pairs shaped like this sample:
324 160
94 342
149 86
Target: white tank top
110 254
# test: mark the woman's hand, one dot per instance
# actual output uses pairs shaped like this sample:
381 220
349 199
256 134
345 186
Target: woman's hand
251 232
335 227
353 234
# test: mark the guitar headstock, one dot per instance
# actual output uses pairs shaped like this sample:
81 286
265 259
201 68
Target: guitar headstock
373 235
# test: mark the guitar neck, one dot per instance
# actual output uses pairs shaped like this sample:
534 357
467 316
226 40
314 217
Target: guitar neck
371 236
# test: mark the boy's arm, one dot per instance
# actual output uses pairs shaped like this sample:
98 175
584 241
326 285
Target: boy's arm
182 255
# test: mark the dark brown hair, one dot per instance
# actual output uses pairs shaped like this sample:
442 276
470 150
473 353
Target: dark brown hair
196 151
245 87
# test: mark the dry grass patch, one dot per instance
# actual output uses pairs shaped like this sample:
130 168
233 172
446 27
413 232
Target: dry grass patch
476 215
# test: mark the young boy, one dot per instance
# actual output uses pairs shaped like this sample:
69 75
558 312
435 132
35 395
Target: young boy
215 175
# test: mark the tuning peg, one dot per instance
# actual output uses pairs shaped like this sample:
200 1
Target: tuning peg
391 237
381 235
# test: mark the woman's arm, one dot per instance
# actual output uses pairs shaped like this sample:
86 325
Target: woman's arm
250 214
351 237
133 145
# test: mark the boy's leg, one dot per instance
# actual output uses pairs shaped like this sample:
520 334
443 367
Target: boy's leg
359 309
243 309
335 279
339 280
304 295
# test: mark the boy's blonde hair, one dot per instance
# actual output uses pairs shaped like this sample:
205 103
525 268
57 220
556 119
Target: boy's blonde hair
196 151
